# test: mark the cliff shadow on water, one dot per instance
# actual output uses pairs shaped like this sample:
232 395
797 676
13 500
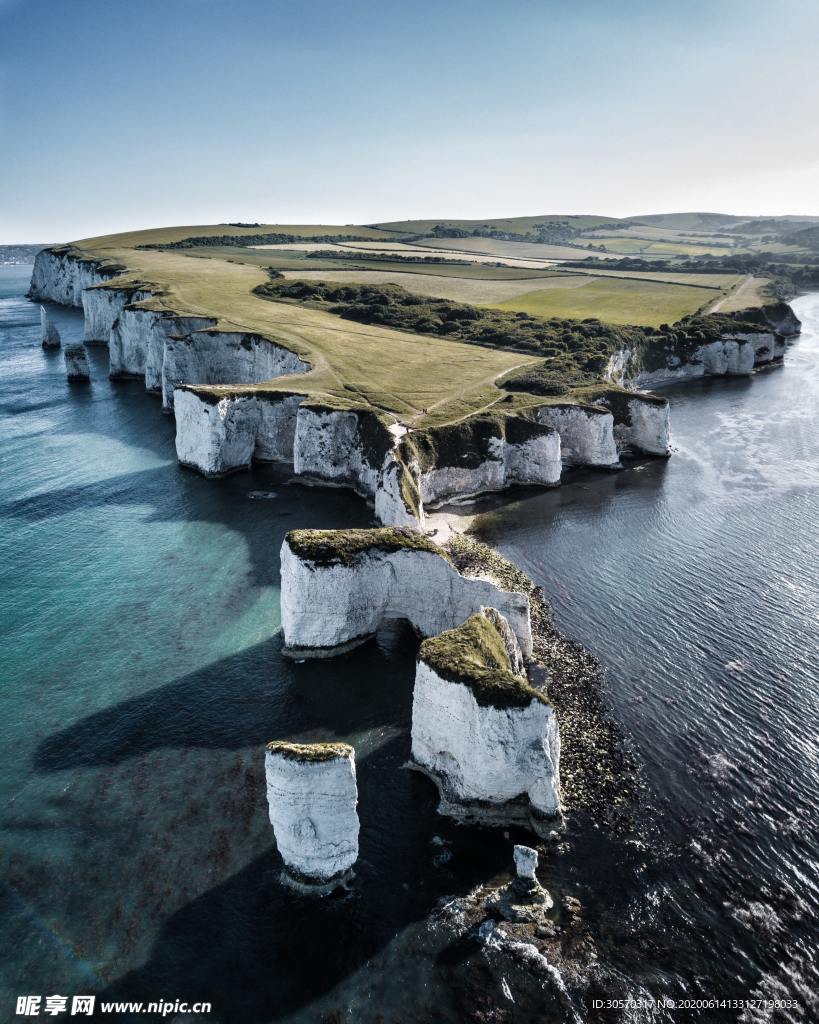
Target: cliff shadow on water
181 770
144 680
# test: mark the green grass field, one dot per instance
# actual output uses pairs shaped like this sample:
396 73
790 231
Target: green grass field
164 236
478 291
418 378
516 250
614 300
630 245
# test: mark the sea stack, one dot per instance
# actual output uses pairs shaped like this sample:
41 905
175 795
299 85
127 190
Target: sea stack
525 862
480 729
76 362
312 797
51 336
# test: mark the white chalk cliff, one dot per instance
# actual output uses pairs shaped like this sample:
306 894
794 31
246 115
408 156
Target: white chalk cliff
749 339
337 586
479 455
102 306
586 434
188 359
217 435
312 796
640 422
60 275
480 729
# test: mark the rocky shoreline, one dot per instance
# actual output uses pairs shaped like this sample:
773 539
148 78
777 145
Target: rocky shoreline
598 775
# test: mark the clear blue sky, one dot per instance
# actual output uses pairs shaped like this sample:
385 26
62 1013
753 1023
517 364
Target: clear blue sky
117 114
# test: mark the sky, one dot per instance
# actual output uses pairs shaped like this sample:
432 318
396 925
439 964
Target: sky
121 114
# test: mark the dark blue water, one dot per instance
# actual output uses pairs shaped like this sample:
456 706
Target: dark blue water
141 677
696 582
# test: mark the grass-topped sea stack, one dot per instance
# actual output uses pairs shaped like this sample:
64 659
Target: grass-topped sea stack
312 797
486 735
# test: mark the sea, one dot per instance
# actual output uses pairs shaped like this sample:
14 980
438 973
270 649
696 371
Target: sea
142 676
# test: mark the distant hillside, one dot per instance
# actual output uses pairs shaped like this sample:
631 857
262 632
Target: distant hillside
11 255
681 230
689 221
551 229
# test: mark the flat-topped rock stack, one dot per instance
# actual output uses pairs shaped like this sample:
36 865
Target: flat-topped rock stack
480 729
76 362
312 797
50 334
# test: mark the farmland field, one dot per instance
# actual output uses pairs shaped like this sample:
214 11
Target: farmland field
720 282
749 292
615 300
425 250
627 246
459 289
521 250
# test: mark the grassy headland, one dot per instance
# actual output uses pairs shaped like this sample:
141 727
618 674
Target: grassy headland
432 348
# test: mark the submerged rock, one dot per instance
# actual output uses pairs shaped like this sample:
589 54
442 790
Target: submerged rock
76 362
50 334
312 797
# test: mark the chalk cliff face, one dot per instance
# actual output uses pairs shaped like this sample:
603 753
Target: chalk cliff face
479 455
397 501
483 733
312 797
748 339
139 341
220 435
195 355
331 597
76 362
726 357
646 428
586 434
641 422
164 348
60 276
781 319
102 307
340 447
345 447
